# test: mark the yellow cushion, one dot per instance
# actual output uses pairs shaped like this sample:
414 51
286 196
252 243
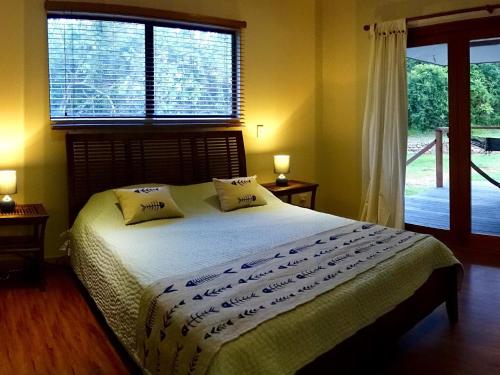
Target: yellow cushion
239 192
147 203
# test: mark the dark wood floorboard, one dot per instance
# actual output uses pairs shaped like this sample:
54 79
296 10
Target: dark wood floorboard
56 332
431 208
470 347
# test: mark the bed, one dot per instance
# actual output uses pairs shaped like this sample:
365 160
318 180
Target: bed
116 266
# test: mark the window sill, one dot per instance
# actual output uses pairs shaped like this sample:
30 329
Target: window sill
134 124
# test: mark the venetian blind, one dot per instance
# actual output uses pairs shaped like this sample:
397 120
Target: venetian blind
106 70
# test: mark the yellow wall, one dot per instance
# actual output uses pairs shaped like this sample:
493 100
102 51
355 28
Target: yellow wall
280 85
305 77
12 87
344 58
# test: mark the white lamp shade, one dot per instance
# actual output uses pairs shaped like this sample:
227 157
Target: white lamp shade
281 163
8 182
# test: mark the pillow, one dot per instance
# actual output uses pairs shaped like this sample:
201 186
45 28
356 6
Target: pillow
239 192
147 203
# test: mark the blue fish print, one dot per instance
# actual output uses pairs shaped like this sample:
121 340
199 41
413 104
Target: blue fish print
254 277
258 262
354 240
308 273
212 292
218 328
241 182
332 275
282 299
302 248
196 319
146 190
206 278
308 287
153 206
292 263
250 312
238 300
276 286
247 199
336 260
377 232
327 251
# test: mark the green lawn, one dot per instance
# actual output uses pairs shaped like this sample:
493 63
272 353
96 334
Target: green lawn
421 174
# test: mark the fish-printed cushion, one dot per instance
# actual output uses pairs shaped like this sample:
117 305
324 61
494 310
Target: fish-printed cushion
147 203
240 192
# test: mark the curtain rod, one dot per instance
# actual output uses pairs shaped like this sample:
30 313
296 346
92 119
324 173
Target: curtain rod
489 8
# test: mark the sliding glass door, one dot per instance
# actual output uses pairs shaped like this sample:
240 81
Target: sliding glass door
485 135
427 194
453 163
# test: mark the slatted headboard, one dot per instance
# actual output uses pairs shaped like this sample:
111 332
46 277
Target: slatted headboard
101 161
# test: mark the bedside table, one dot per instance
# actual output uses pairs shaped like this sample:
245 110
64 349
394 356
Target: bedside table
30 245
294 187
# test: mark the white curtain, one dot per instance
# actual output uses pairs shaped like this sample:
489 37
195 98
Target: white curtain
385 126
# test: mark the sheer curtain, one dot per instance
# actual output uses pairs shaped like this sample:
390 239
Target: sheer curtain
385 126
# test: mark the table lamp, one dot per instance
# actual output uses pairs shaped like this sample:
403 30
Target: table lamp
281 166
8 185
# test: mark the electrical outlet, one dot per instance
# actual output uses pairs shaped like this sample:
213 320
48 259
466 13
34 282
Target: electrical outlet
260 131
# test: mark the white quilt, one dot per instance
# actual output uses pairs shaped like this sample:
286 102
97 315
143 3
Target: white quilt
183 322
117 262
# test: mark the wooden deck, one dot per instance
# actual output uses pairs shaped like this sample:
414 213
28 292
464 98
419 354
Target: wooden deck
431 208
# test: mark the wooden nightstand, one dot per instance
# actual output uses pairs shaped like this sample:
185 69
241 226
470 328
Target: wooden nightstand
294 187
30 245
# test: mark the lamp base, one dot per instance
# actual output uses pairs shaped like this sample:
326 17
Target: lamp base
7 206
281 180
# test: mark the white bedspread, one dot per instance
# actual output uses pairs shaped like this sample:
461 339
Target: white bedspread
116 265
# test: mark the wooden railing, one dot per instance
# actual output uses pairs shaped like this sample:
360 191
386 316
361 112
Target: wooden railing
438 142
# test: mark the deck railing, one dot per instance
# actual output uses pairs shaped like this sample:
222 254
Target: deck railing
438 143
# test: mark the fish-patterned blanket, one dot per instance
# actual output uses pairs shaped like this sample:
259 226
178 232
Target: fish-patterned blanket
184 321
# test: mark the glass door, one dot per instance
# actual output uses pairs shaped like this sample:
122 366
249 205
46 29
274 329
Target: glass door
485 135
427 194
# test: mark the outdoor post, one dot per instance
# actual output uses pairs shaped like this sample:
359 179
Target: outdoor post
439 157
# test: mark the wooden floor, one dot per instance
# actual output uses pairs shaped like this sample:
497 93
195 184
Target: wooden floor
431 208
55 332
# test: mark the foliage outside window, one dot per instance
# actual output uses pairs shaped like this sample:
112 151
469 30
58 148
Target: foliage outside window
428 95
121 71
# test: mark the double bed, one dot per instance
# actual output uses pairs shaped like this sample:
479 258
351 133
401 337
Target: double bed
118 263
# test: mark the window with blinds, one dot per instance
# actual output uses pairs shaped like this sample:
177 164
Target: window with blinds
112 72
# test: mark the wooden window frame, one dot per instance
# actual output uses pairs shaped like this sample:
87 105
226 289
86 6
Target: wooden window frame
151 18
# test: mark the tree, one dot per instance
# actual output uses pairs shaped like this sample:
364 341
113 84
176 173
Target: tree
427 96
485 94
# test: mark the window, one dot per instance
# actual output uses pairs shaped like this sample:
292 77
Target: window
105 71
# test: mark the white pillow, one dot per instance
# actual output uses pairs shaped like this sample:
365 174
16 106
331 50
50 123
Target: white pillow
240 192
147 203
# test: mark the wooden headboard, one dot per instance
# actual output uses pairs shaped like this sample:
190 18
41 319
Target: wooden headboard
105 160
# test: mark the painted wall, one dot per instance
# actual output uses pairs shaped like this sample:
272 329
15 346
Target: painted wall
12 87
305 76
344 64
280 85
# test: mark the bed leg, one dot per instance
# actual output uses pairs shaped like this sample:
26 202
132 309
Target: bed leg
452 309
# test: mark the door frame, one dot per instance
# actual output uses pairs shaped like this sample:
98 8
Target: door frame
457 35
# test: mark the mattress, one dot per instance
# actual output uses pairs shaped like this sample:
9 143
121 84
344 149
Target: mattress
117 262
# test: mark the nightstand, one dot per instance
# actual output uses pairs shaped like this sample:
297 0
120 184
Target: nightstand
294 187
31 245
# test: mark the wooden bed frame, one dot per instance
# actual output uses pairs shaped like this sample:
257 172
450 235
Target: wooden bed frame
99 161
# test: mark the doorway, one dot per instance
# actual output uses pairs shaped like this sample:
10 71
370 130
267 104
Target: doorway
453 165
